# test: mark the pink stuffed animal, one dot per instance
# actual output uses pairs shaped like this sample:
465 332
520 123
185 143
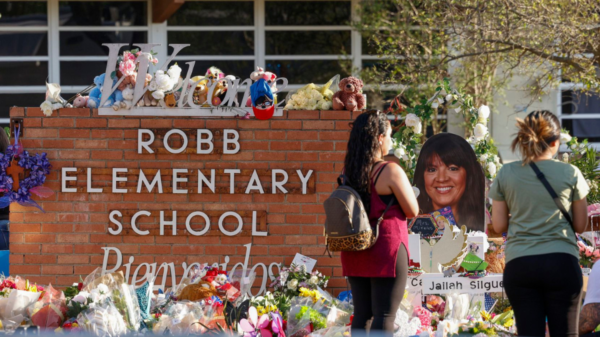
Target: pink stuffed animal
349 97
80 101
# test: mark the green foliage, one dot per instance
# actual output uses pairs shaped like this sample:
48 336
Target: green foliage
319 321
585 157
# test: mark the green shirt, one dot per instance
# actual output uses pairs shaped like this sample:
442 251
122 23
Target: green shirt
536 225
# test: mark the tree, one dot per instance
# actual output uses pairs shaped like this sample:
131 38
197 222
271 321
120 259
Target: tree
481 44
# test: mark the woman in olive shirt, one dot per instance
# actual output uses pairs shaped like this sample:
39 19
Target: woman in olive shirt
542 277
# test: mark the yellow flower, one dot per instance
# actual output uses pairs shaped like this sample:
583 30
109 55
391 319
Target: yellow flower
509 323
75 325
405 294
486 316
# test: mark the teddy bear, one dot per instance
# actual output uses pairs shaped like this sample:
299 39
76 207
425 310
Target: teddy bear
80 101
147 99
350 95
96 94
127 98
129 80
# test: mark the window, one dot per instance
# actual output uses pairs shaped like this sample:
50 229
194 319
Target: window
61 40
580 113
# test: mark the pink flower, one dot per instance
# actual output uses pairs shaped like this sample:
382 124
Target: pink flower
127 67
588 253
127 56
596 253
138 53
253 324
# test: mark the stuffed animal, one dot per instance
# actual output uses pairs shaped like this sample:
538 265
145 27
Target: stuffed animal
350 95
223 93
200 92
127 98
80 101
269 77
213 74
147 99
169 101
118 94
218 90
96 94
129 80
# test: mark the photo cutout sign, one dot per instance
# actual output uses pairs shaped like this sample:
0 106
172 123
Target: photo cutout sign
451 183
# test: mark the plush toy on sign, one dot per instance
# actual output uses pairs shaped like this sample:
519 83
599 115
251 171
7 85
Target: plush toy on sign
262 99
80 101
96 94
267 76
350 95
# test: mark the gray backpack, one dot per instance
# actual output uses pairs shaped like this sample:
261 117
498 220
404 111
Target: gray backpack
347 226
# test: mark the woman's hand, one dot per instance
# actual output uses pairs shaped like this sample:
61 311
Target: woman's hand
500 216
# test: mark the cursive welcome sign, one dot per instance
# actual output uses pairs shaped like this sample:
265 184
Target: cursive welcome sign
185 104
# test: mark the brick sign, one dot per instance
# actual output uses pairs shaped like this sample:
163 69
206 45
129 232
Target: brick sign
160 194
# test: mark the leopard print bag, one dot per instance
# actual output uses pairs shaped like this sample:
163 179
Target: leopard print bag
347 226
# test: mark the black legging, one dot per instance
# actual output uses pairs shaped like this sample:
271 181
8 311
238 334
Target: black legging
545 287
379 297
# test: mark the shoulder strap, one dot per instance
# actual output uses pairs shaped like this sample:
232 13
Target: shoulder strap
553 194
389 203
378 172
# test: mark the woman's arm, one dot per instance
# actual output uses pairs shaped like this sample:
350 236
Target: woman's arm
580 215
398 182
499 216
589 318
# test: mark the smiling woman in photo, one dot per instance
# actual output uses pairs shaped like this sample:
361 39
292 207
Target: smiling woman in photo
448 175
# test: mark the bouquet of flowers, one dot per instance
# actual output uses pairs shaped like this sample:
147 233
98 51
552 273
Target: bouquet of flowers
312 97
17 295
50 310
290 280
180 318
103 319
266 325
587 254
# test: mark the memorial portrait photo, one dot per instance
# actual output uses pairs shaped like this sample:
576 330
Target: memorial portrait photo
449 176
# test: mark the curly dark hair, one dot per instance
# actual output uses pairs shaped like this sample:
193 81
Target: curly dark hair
363 146
454 150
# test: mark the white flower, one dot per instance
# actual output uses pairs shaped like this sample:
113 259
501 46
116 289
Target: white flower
400 152
163 81
81 297
152 86
293 284
417 191
496 159
457 110
103 289
573 146
405 157
314 280
483 112
158 94
581 147
480 131
435 105
56 106
449 98
174 72
565 157
412 120
316 95
418 128
491 167
483 158
443 92
46 107
588 182
565 138
440 100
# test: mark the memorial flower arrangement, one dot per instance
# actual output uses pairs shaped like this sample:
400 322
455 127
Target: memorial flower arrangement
588 254
585 157
291 280
38 166
312 97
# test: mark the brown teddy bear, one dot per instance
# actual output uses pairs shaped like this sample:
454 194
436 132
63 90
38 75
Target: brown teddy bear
350 95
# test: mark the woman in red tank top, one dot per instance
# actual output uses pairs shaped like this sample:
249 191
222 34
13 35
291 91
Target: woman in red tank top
378 275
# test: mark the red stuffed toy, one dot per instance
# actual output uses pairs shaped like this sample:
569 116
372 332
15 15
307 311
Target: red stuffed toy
350 95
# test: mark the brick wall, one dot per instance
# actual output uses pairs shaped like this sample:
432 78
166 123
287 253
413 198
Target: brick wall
65 242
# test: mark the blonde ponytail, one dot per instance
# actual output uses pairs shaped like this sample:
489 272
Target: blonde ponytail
535 134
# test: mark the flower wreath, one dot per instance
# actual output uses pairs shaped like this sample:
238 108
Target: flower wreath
38 166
